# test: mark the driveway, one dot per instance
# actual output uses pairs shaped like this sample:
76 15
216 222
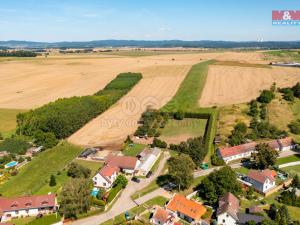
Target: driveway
124 202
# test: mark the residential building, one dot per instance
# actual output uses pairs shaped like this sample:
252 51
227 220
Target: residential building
186 209
236 152
227 212
27 206
262 181
245 150
106 176
162 217
127 164
147 157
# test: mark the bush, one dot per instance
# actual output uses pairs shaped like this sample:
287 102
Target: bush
77 171
52 181
14 173
216 161
266 96
45 139
113 192
159 143
1 136
295 127
179 115
296 90
98 202
16 145
121 180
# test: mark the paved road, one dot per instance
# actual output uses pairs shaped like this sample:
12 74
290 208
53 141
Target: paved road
124 202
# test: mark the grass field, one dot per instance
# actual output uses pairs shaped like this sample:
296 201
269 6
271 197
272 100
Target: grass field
292 158
45 220
133 150
190 90
283 55
33 178
235 63
161 201
292 170
180 130
8 121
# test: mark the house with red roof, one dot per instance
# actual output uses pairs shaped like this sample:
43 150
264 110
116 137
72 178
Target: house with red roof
127 164
11 208
106 176
236 152
262 181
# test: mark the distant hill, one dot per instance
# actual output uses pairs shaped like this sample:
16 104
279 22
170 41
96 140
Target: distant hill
149 44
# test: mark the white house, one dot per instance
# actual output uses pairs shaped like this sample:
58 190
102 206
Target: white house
227 212
147 157
262 181
162 217
236 152
106 177
11 208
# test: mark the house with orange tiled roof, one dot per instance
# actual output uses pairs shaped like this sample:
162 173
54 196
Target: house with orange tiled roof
186 209
106 177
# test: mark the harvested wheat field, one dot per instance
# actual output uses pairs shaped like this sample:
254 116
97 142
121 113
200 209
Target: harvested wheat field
157 87
27 84
226 85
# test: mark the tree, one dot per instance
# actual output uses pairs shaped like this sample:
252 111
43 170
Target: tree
77 171
181 170
45 139
295 127
296 182
218 183
296 90
101 193
253 111
251 222
263 111
52 181
289 95
265 156
272 211
282 216
268 222
121 180
159 143
179 115
266 96
75 198
238 134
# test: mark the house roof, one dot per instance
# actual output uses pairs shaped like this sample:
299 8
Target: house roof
161 215
185 206
29 202
108 170
123 162
269 172
260 176
285 142
244 218
229 204
255 209
236 150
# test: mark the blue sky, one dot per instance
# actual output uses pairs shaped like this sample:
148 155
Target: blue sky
82 20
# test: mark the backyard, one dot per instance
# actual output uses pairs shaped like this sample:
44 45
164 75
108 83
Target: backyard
34 177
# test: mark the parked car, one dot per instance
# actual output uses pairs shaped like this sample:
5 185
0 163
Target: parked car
149 174
135 179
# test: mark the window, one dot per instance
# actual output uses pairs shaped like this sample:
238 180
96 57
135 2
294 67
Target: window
17 212
223 221
104 184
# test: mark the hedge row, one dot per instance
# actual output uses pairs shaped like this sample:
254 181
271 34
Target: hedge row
113 192
20 53
65 116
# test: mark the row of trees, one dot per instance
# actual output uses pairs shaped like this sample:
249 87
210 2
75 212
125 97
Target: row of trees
20 53
15 145
63 117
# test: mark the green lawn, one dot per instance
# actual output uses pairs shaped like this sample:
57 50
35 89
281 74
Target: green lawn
45 220
292 170
285 55
242 170
33 178
288 159
161 201
190 90
187 126
8 121
133 150
93 166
